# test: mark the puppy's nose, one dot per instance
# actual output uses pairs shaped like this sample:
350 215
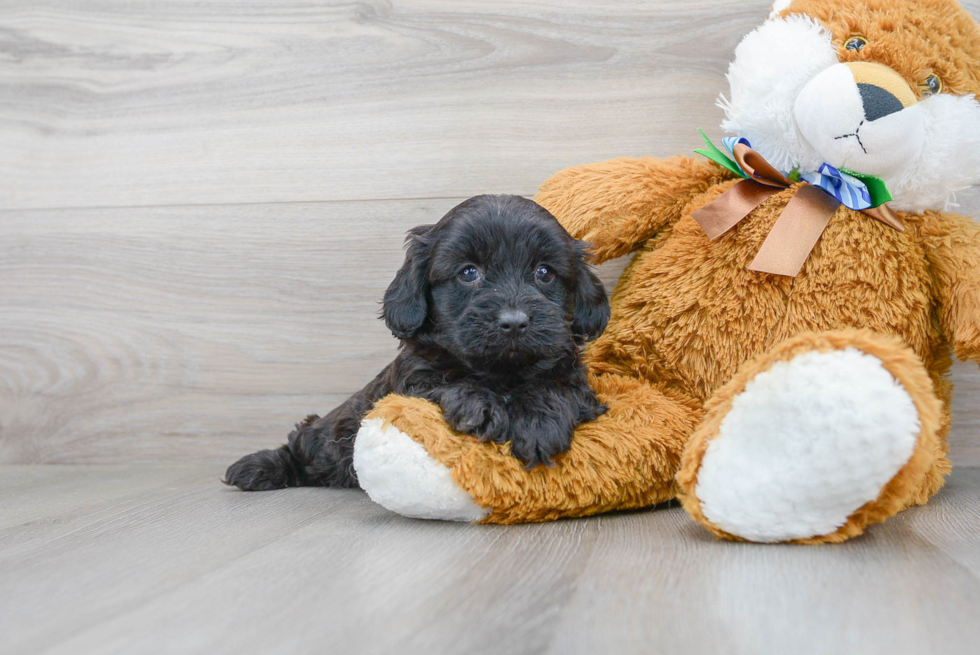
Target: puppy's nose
512 321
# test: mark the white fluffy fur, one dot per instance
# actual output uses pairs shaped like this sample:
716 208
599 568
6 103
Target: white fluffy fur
772 65
805 445
399 475
950 159
830 106
775 62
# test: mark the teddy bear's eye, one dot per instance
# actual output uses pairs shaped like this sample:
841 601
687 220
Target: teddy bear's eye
855 43
931 86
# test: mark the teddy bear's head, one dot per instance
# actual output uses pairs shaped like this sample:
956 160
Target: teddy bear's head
878 87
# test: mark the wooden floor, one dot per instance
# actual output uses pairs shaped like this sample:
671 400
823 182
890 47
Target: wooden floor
112 559
201 204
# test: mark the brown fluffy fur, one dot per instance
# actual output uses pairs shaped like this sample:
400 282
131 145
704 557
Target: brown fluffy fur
916 38
690 324
625 459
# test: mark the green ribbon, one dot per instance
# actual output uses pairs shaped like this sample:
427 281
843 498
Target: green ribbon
717 156
876 186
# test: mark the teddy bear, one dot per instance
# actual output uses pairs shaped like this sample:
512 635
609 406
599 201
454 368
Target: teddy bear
778 349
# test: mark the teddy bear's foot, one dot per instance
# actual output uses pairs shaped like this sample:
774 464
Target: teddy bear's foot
410 461
399 475
813 441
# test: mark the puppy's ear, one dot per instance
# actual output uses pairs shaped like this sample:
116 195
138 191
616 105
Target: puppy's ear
591 302
404 308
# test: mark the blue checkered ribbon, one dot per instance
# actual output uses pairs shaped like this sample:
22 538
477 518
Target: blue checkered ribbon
730 141
849 191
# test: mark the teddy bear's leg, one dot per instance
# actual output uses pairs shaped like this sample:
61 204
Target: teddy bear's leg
813 441
409 460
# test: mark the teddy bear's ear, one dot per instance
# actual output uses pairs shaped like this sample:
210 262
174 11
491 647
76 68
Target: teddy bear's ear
405 307
591 302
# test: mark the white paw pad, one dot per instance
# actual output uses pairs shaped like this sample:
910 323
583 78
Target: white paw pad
806 444
398 474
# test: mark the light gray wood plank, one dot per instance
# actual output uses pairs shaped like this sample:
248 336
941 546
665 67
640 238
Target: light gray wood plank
63 575
158 334
894 590
48 494
964 438
952 525
112 103
193 567
181 333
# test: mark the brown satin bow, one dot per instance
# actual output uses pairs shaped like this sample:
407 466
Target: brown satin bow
798 227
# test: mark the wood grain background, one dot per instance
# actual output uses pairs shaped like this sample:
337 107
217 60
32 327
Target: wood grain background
202 202
160 559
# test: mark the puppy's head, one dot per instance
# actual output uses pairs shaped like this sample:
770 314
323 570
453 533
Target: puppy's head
499 284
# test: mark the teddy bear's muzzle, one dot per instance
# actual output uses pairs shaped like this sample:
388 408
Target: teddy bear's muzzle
861 116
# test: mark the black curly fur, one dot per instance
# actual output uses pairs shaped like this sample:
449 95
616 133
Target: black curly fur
499 354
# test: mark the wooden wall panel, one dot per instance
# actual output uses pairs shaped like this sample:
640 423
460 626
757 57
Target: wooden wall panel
108 103
167 293
156 333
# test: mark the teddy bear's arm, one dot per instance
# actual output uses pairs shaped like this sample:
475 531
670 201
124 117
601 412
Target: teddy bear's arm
617 205
952 246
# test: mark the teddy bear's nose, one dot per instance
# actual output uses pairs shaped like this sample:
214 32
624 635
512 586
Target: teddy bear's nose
883 91
878 102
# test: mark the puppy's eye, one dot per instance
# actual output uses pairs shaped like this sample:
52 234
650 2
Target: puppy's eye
931 86
855 43
469 274
544 274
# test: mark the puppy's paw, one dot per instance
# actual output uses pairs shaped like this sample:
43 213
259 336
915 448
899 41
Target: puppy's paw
591 411
538 442
476 412
263 471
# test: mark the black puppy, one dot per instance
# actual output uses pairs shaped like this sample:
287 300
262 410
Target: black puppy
491 306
